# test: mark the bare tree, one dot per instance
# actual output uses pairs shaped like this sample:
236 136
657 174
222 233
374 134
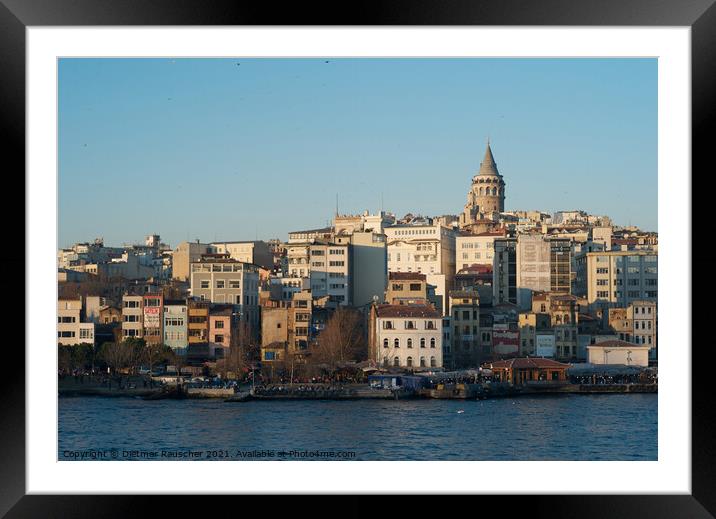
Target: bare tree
341 340
156 353
116 355
243 349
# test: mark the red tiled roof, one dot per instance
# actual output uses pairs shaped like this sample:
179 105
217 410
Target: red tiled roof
407 311
528 362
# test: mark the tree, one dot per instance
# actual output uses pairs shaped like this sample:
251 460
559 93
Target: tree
156 353
243 349
341 340
115 354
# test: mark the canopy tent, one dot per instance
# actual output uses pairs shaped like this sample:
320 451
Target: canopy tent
599 369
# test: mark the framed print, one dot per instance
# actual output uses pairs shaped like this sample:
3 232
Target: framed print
424 242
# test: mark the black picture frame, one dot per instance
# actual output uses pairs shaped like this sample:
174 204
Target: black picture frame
699 15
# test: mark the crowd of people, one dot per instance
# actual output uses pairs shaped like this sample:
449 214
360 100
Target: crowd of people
643 377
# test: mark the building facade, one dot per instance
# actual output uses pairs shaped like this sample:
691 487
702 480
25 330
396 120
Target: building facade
132 316
405 336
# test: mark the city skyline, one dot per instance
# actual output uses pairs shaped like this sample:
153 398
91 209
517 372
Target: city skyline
243 149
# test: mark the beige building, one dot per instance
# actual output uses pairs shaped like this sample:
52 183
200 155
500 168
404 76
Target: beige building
70 328
617 278
618 352
222 280
132 316
406 288
405 336
426 248
486 198
184 255
530 323
256 252
636 324
476 249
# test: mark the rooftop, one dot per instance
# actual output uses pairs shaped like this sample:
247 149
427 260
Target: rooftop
425 311
406 276
618 344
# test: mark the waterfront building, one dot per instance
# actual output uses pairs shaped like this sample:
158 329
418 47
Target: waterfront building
222 325
175 325
405 336
152 310
132 316
198 321
427 248
563 312
257 252
287 327
465 313
636 324
530 324
219 279
448 361
70 328
618 352
476 249
617 278
486 197
522 370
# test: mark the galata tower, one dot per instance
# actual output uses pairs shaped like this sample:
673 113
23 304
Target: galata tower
486 197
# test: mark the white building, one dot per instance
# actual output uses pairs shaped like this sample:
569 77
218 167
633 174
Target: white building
406 336
618 352
70 328
257 252
427 248
476 249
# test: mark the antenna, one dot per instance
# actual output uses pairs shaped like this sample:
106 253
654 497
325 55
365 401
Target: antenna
336 204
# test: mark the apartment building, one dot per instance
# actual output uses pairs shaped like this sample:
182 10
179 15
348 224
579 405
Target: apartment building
198 321
617 278
476 249
175 325
132 316
543 264
70 328
427 248
504 271
219 279
152 310
257 252
465 313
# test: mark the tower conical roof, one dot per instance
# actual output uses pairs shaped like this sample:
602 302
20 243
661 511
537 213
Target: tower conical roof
488 165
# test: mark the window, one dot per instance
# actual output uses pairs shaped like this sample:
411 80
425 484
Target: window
432 342
432 362
85 333
410 343
410 325
396 343
466 315
422 342
218 324
422 362
205 283
220 283
396 362
387 325
410 362
385 343
336 263
218 338
429 325
234 283
415 287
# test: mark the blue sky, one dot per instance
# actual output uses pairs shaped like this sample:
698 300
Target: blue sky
239 149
